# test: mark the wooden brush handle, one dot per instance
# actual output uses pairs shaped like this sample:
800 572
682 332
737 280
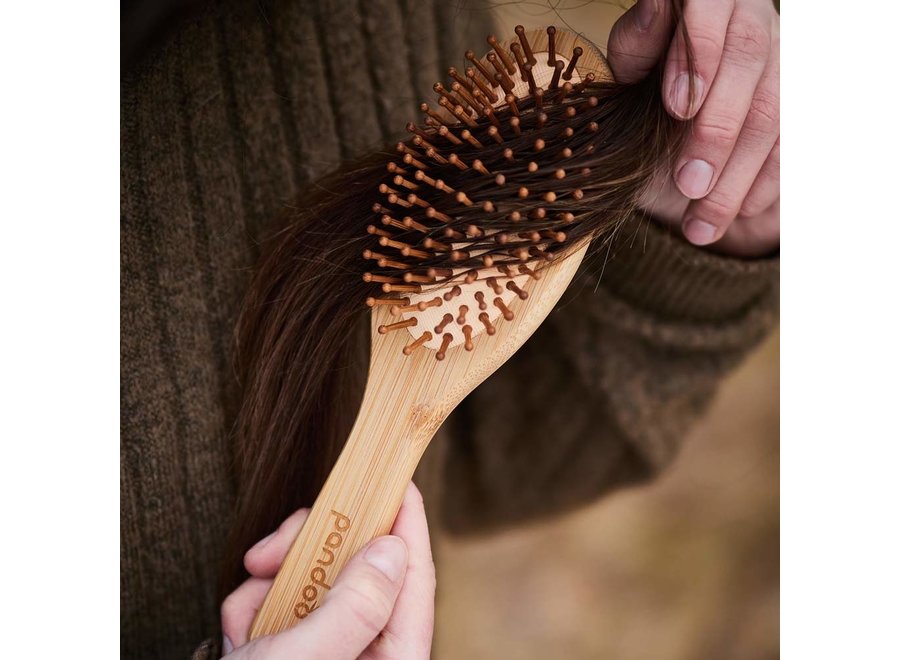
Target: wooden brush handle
407 398
359 502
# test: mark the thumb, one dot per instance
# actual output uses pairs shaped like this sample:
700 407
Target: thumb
639 38
355 610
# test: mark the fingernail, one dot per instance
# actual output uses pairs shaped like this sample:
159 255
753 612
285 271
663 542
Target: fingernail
263 542
388 555
694 178
680 96
646 11
227 646
699 232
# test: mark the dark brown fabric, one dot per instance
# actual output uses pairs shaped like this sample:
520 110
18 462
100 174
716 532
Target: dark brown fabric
222 123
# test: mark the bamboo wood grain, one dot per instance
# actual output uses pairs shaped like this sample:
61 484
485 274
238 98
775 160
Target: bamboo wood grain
406 400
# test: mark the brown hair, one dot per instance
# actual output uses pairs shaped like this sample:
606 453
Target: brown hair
302 335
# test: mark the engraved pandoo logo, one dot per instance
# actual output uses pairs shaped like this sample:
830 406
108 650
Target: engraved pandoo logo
318 575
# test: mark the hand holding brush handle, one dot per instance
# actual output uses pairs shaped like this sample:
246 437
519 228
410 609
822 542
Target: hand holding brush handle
387 587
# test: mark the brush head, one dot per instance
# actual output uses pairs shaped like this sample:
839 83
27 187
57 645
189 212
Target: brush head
489 191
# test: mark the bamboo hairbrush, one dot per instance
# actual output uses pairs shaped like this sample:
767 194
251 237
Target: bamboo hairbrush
465 261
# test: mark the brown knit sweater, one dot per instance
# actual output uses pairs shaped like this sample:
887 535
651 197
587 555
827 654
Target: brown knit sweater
223 120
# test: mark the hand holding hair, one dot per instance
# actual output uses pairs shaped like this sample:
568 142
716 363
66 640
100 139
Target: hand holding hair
725 187
381 605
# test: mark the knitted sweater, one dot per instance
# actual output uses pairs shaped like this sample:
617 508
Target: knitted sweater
224 119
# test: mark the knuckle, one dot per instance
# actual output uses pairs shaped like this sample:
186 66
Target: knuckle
765 111
705 43
718 208
748 40
367 607
718 131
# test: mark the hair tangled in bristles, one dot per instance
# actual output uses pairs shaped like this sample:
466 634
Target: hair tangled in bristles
522 187
301 337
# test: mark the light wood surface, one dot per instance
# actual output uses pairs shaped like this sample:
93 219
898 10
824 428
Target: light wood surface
406 400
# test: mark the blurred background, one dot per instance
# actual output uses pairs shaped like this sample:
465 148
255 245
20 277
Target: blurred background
686 567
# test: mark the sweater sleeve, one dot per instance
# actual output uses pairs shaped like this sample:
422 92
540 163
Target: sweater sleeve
603 394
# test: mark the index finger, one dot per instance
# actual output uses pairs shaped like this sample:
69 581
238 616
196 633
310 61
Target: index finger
706 24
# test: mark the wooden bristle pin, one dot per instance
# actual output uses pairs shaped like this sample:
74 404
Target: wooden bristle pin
409 348
399 325
529 56
471 139
551 46
483 87
515 123
448 135
389 263
557 72
445 321
412 224
504 56
440 89
463 309
434 302
381 279
467 333
511 102
445 342
504 82
409 159
506 311
397 310
492 117
486 321
512 286
440 272
378 302
457 162
479 296
400 288
525 270
520 60
470 55
421 279
464 116
492 282
587 80
465 96
453 73
529 78
425 108
452 293
576 53
400 181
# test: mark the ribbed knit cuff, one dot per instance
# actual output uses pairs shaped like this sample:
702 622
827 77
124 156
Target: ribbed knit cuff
652 269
